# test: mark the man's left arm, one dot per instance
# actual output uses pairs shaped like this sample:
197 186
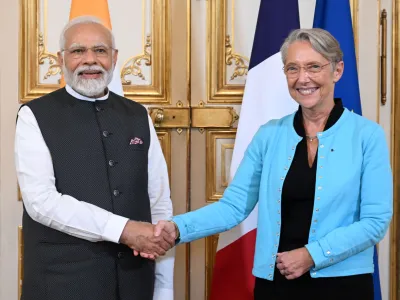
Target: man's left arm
161 209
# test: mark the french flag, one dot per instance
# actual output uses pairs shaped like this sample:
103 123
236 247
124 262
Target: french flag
266 97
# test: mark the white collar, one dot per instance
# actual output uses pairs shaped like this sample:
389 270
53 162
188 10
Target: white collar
75 94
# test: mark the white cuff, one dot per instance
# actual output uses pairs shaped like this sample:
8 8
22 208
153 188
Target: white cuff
114 227
163 294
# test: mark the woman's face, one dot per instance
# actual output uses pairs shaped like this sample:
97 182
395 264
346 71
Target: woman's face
309 75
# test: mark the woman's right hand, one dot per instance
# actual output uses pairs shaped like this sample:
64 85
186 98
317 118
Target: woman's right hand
293 264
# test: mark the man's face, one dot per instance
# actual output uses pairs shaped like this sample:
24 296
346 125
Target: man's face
88 59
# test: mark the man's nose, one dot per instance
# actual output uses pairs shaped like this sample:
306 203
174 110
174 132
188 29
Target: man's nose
89 57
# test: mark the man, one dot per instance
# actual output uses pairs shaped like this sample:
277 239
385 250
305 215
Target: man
93 178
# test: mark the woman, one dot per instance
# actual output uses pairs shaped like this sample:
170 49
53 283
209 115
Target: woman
322 179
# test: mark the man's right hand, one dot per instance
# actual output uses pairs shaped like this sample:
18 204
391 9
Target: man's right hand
163 228
140 237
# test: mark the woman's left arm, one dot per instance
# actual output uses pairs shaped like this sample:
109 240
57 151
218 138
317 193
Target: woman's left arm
375 211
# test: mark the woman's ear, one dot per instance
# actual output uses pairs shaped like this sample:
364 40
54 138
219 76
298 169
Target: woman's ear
338 71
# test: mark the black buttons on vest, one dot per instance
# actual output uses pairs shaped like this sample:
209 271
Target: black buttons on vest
106 133
112 163
98 108
116 193
120 255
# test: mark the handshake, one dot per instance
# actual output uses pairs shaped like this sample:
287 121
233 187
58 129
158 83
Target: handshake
148 240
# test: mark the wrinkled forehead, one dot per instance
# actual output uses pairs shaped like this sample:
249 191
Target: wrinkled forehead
88 35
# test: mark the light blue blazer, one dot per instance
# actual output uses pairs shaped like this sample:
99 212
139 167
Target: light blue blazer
352 203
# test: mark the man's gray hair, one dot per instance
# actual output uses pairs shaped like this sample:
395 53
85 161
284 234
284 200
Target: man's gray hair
83 20
321 41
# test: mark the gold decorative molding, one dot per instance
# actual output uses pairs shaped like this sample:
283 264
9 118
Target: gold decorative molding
224 177
157 54
164 137
20 260
354 16
213 191
30 86
218 56
395 156
134 64
54 68
213 117
241 62
211 250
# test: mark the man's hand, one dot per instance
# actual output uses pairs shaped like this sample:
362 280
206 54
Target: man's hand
293 264
163 228
139 236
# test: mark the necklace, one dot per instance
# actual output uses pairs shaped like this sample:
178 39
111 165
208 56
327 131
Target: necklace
311 138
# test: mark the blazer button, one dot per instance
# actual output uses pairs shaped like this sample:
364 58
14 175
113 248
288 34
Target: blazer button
106 133
120 255
116 193
111 163
98 108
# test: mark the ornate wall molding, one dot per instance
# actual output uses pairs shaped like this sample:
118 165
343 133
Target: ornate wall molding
395 157
134 65
54 68
241 62
220 55
32 53
156 55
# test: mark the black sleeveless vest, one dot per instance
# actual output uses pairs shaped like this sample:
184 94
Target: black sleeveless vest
99 152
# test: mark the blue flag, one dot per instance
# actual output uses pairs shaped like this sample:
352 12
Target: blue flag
327 14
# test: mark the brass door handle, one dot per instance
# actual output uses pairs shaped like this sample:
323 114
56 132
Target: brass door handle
195 117
383 56
158 117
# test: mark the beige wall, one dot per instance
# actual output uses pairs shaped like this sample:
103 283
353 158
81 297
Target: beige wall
10 208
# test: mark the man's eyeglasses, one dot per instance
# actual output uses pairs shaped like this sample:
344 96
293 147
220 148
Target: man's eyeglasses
293 71
79 52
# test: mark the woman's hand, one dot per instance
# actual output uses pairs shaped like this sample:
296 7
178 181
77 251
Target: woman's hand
293 264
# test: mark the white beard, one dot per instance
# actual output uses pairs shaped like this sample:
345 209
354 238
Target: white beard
88 87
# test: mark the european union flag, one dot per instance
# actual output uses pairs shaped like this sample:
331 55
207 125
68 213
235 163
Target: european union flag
327 16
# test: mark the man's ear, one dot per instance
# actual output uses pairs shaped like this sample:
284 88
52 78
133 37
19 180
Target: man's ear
115 57
60 58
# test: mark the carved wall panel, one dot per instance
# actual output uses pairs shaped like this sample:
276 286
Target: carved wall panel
218 159
229 48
